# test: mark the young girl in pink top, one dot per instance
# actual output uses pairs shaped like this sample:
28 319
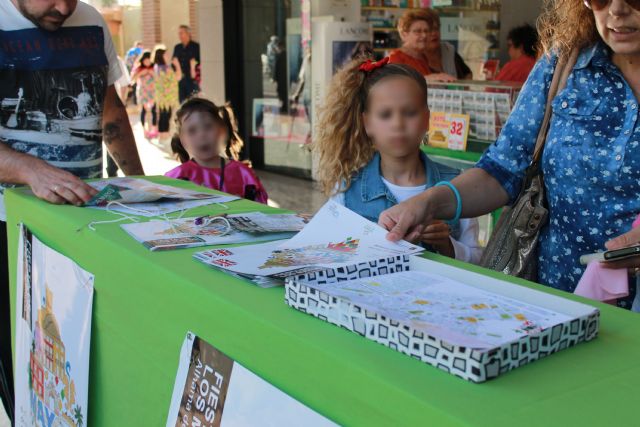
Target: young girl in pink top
208 144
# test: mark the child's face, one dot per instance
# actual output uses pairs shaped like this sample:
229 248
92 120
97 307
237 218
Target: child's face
201 135
397 117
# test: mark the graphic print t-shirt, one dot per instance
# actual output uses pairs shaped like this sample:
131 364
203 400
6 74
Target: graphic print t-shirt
52 89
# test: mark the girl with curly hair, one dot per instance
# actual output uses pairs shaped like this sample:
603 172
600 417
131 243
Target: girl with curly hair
369 134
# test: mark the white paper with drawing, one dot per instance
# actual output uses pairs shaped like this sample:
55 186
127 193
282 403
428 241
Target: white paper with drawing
447 309
335 237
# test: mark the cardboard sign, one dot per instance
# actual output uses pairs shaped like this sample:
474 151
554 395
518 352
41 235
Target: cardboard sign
213 390
448 130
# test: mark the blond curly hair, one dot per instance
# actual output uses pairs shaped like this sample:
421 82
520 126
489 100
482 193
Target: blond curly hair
565 25
341 142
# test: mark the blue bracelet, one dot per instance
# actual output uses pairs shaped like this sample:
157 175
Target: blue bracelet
458 198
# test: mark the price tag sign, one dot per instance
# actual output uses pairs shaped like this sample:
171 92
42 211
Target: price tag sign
458 131
448 130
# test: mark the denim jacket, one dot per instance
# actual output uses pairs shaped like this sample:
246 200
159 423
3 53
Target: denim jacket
368 196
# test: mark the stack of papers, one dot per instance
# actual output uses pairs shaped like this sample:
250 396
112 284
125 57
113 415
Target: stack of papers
335 237
209 231
447 309
148 198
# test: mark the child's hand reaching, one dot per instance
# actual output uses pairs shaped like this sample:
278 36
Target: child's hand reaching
438 235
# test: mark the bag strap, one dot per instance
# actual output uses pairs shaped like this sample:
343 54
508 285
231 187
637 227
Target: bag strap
563 69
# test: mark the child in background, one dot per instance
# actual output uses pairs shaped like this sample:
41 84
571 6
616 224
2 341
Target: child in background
144 77
369 136
206 137
167 76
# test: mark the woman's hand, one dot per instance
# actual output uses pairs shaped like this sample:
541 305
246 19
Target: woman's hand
440 77
632 238
438 235
407 220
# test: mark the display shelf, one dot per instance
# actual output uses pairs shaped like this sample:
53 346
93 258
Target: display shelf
389 8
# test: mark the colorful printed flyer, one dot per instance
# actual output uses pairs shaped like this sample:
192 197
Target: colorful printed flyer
146 198
213 390
186 233
449 130
53 337
257 222
335 237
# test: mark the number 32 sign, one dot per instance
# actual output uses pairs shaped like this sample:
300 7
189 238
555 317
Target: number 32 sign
448 130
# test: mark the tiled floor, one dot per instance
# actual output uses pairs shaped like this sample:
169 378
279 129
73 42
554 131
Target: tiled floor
295 194
4 419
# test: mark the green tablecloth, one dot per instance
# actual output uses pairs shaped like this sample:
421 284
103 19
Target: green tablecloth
145 302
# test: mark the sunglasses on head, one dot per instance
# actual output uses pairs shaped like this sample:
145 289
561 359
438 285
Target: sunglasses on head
601 4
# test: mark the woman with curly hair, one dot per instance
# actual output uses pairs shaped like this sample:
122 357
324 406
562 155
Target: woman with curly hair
591 160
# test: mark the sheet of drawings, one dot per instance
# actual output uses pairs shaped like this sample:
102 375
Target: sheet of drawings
455 312
335 237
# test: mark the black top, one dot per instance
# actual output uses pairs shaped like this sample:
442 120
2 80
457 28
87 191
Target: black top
462 69
184 55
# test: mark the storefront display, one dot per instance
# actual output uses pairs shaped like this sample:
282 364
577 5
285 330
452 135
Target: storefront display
488 105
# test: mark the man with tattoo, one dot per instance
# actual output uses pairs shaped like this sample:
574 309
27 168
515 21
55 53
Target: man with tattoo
57 103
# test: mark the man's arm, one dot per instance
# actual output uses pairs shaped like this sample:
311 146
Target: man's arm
118 136
47 182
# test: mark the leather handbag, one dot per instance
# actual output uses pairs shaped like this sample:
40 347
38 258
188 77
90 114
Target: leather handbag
513 247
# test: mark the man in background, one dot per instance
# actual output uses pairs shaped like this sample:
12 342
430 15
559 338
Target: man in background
187 52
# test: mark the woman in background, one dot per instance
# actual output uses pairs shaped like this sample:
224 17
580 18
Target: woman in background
522 42
442 56
414 29
167 76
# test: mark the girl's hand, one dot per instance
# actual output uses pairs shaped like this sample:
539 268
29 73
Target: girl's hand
438 235
632 238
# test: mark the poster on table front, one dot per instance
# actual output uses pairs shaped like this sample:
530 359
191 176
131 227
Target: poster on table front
53 335
213 390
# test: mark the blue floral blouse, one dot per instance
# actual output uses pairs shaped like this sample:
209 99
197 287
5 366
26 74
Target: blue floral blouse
591 161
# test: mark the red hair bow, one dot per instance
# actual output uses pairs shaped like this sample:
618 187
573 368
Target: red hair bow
369 65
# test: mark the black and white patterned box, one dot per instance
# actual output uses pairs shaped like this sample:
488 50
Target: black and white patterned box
464 362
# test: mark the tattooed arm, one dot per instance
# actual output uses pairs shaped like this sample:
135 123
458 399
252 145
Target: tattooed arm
47 182
118 136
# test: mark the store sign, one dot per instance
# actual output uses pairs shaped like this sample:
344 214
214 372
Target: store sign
440 3
450 28
448 130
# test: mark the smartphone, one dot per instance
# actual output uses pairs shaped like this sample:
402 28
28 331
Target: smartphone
614 255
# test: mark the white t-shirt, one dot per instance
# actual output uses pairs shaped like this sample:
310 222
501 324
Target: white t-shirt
466 247
53 89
